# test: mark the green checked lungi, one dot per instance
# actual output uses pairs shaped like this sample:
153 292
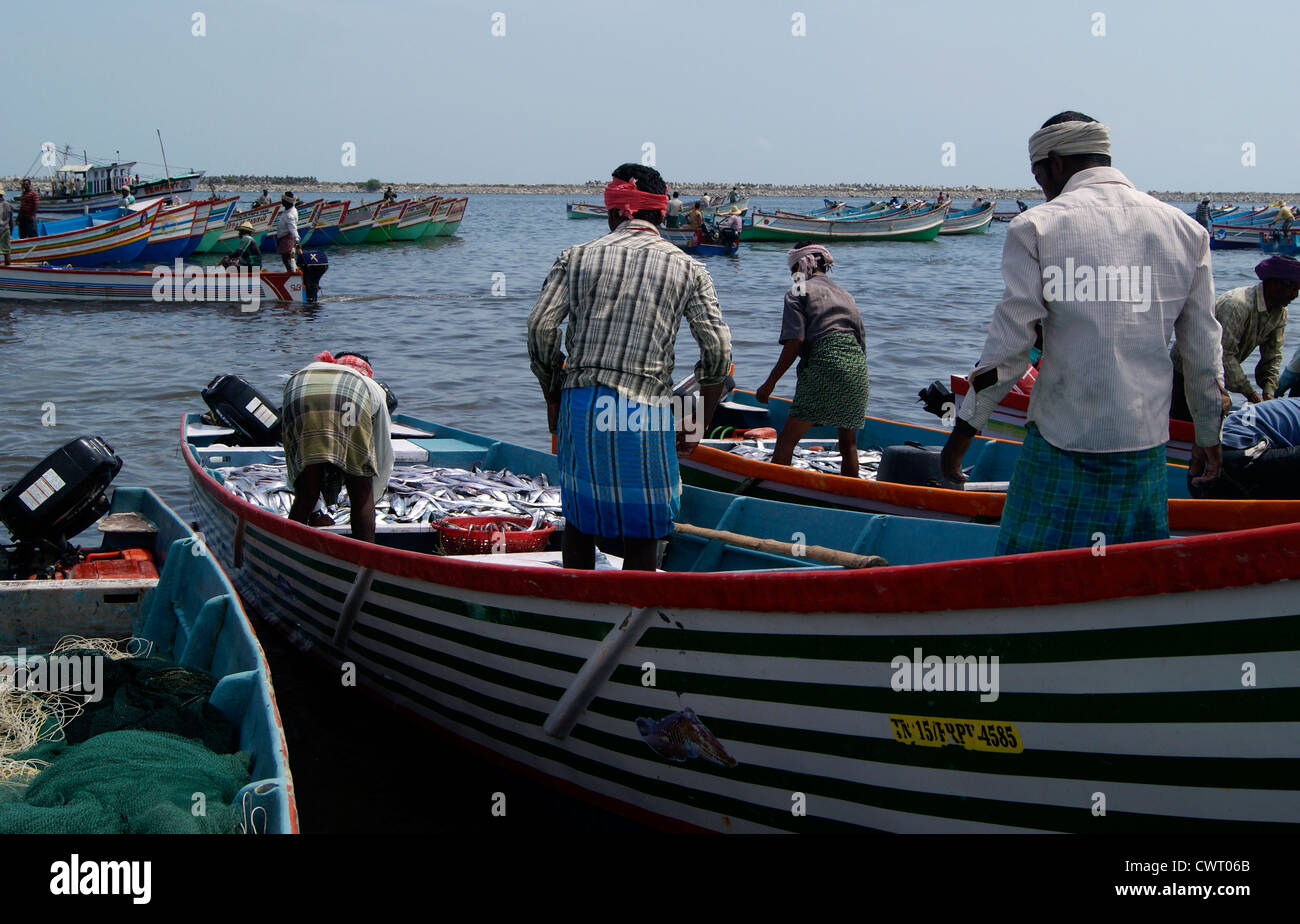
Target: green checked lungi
1060 499
832 383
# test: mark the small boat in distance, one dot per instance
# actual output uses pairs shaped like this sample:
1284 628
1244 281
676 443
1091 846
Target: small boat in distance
217 285
912 226
974 220
117 240
592 210
82 188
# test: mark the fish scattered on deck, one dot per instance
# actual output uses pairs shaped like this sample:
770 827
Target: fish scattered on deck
417 494
815 458
681 736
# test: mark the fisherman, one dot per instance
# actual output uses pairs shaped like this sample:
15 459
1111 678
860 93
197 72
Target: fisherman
705 201
609 401
260 202
389 195
1286 217
1261 454
127 199
1203 212
27 206
675 211
248 252
695 217
823 329
730 227
1020 204
337 434
287 242
1251 317
734 195
6 219
1093 458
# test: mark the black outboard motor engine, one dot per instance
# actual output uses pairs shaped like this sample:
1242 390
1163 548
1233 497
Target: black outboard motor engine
389 398
241 407
56 500
914 464
938 399
314 264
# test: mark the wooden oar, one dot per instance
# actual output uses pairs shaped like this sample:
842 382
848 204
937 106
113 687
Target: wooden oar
776 547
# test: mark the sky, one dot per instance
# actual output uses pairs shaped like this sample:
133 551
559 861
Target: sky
1196 94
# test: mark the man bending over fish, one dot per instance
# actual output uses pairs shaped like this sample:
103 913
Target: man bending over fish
624 296
336 434
1093 459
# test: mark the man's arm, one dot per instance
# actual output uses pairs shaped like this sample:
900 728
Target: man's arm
1234 377
544 355
1204 360
1270 356
704 316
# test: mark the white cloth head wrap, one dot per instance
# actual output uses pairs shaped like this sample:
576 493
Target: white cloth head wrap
1066 138
804 259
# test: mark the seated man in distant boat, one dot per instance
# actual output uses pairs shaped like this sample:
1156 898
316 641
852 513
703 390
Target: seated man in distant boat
248 252
1093 457
260 202
389 195
695 222
1252 317
337 434
609 401
127 199
730 227
823 329
1261 454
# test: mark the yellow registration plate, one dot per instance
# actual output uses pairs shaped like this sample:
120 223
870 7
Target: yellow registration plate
931 732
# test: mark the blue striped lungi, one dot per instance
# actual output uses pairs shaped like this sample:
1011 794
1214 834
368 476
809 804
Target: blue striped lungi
1060 499
615 481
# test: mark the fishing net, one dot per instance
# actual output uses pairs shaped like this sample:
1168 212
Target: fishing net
135 761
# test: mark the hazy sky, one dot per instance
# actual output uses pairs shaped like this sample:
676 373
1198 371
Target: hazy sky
723 89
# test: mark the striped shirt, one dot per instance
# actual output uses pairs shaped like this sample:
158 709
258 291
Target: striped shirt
1247 323
624 296
1105 381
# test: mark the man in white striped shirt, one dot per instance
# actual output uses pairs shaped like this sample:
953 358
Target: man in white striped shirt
1112 274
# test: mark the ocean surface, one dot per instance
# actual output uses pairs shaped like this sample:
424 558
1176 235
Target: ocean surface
443 322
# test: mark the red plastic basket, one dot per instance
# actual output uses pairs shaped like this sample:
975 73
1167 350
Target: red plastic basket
481 535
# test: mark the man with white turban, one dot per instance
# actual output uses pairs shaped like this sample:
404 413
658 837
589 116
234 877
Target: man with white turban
1111 274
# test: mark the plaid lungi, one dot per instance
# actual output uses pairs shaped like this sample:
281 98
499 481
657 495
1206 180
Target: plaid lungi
1060 499
328 418
616 480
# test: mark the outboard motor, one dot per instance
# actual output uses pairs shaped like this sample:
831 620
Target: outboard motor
938 399
389 398
913 464
241 407
56 500
314 264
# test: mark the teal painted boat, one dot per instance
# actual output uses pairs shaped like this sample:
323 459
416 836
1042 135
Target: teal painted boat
744 691
974 220
356 223
907 226
386 219
182 603
417 220
991 462
217 218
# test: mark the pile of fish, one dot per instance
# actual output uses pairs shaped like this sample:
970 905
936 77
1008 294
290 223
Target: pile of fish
418 494
814 457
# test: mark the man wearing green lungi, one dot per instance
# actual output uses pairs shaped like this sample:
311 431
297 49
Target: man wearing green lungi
1111 273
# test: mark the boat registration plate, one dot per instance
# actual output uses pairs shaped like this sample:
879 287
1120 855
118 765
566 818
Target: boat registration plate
931 732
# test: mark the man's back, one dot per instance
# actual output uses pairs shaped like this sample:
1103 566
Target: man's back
1115 268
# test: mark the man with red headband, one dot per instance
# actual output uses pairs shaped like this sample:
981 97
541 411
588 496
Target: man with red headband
624 296
336 433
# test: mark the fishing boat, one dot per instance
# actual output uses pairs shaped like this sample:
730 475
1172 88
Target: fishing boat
222 209
1009 418
83 188
173 234
447 219
748 691
203 284
1276 242
845 211
118 240
973 220
386 219
152 580
918 226
685 239
416 221
1241 232
356 222
262 218
325 229
308 212
721 464
591 210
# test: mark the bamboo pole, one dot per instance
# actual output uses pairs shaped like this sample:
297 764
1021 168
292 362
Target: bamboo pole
776 547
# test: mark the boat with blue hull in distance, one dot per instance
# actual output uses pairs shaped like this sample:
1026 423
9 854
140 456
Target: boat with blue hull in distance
775 673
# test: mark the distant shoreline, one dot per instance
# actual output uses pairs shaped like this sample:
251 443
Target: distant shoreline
592 191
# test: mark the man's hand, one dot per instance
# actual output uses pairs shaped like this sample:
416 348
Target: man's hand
687 441
1254 397
1268 396
1206 464
764 391
553 415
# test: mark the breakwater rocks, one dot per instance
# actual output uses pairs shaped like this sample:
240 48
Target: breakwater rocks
591 191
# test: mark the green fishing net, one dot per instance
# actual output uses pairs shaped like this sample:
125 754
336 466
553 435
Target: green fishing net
152 756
